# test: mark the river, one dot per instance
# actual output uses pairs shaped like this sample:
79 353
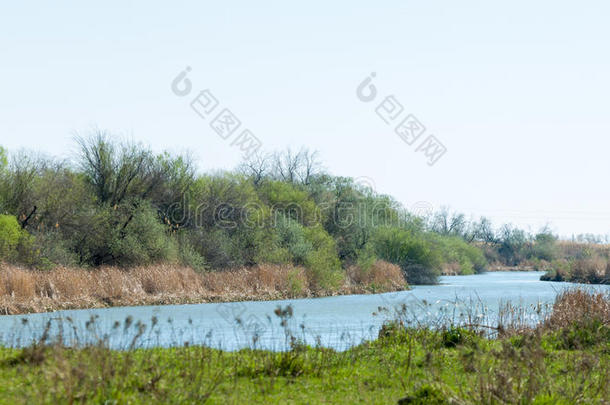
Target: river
338 322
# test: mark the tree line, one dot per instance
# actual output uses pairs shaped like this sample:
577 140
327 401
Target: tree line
119 203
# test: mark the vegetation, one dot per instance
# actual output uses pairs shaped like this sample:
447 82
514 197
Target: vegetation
581 263
24 290
563 360
585 259
118 204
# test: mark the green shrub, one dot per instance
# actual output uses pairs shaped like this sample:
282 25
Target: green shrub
144 240
295 283
579 336
50 249
12 237
456 336
545 246
393 331
322 262
456 250
286 200
3 159
412 251
292 237
216 247
188 255
425 395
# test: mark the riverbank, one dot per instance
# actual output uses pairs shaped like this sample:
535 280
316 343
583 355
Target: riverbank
592 270
29 291
500 267
563 360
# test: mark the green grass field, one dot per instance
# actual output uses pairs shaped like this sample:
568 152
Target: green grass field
567 365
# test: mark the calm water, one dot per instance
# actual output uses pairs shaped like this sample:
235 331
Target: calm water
338 322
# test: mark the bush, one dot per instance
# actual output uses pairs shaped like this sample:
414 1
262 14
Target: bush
455 336
216 247
425 395
589 270
322 262
393 331
286 200
292 238
3 159
545 247
144 240
560 270
579 320
413 252
468 258
579 336
12 237
50 249
296 282
188 255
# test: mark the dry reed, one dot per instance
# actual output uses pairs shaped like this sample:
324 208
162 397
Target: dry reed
381 275
579 306
24 290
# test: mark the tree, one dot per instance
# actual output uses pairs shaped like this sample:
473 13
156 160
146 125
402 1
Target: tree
257 168
18 185
3 159
484 232
119 171
300 167
3 188
11 235
545 245
413 252
446 223
512 245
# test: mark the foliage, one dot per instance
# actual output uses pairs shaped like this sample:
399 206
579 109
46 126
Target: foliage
11 237
122 204
545 246
414 253
3 160
322 262
456 251
142 239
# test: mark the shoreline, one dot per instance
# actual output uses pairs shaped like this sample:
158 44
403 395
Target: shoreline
25 291
47 305
67 289
496 268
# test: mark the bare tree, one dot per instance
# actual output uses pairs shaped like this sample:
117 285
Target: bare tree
118 171
285 165
257 167
311 165
300 167
484 232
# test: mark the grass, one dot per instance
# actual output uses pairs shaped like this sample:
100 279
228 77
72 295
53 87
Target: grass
24 290
565 359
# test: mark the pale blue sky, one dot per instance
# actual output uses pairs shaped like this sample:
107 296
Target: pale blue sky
517 91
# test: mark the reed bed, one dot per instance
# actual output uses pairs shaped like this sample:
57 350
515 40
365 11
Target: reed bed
24 290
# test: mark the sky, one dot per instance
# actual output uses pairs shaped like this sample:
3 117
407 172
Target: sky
516 92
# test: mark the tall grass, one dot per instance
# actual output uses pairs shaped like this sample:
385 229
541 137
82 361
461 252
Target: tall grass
25 290
379 276
577 306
